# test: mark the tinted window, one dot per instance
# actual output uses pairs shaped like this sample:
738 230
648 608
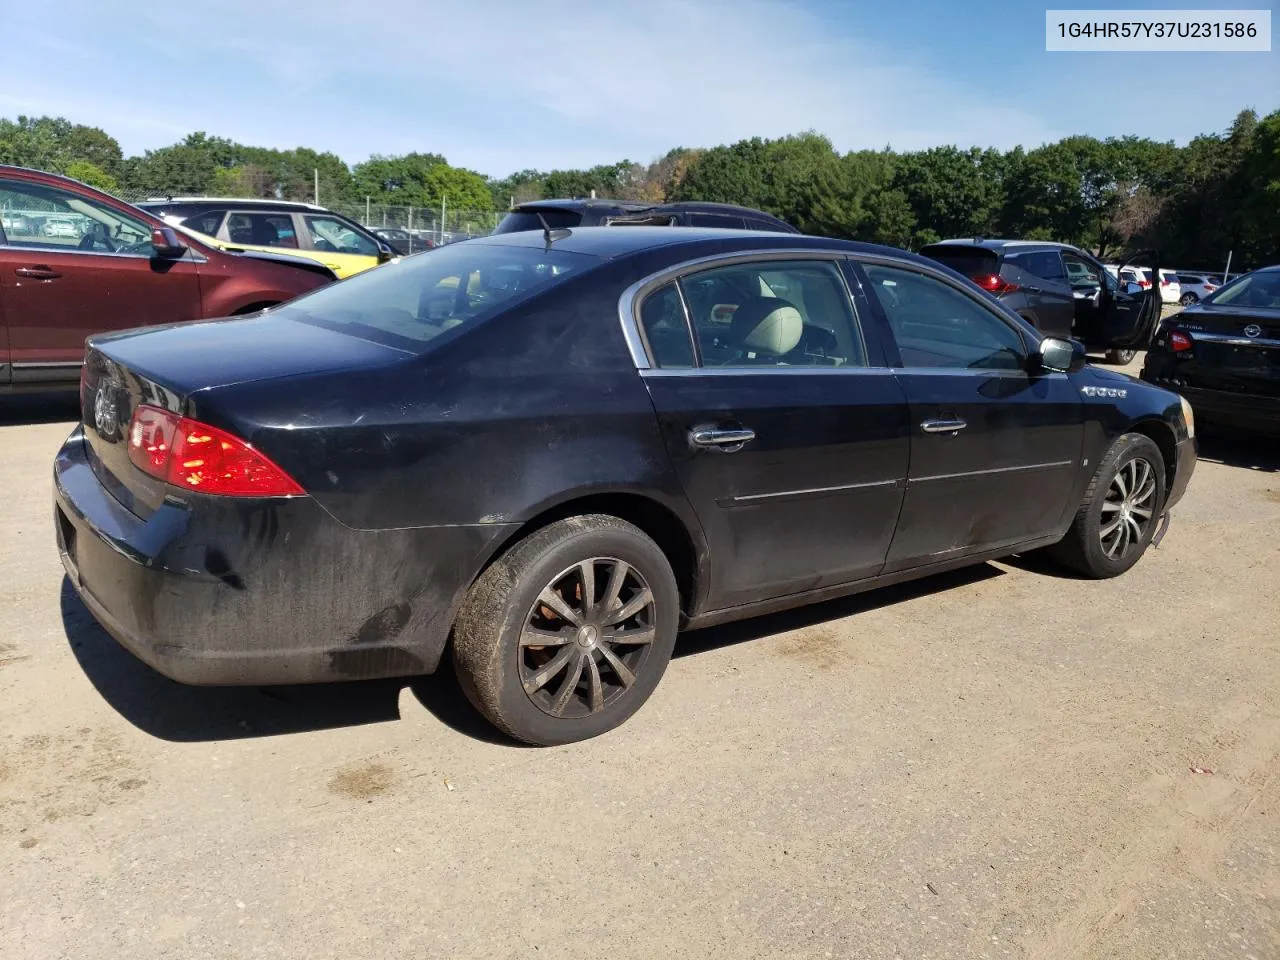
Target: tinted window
556 219
770 225
665 329
715 220
774 313
407 303
35 215
262 229
935 325
970 261
1261 289
1046 264
206 223
333 236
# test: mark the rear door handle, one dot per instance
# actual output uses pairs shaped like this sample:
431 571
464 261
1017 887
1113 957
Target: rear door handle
943 426
728 439
38 273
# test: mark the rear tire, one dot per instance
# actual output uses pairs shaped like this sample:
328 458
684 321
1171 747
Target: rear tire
1187 299
1110 533
564 587
1120 357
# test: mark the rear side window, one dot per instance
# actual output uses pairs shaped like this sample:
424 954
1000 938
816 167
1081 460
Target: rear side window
774 314
970 261
1046 264
935 325
715 220
665 329
408 303
207 223
262 229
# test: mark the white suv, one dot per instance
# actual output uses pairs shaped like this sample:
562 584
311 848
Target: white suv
1195 287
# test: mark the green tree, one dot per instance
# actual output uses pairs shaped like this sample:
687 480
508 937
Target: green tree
93 175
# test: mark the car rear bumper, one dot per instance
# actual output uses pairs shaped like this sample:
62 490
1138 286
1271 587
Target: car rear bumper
225 591
1244 411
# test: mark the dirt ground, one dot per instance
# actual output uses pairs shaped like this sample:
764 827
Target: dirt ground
1000 762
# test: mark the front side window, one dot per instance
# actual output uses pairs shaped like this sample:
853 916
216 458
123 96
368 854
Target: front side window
333 236
935 325
408 303
262 229
1081 273
774 314
1045 264
40 216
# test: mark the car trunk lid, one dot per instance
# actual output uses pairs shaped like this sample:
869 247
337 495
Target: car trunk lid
165 366
1235 351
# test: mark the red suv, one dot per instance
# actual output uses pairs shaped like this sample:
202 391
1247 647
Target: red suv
75 262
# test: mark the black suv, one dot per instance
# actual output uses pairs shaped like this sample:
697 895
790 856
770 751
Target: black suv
1060 289
558 214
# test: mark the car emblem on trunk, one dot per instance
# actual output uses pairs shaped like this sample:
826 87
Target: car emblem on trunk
105 416
1253 330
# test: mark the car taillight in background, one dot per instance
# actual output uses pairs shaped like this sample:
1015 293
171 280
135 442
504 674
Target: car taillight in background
994 283
1179 341
196 456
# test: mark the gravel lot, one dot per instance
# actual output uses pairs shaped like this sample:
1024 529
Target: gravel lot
1000 762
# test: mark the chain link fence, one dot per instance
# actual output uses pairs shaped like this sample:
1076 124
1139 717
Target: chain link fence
438 224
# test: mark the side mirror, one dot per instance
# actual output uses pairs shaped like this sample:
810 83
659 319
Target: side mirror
166 243
1133 289
385 252
1060 356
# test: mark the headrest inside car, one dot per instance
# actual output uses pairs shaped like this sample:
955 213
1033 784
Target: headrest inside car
768 326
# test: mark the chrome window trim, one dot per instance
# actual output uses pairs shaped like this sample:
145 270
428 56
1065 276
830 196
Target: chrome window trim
194 258
839 488
1020 468
763 371
632 296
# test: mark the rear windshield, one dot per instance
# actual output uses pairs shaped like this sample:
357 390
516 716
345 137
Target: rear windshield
971 261
408 303
1261 290
556 219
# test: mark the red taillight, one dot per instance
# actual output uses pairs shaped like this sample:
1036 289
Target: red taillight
196 456
1144 284
1165 283
1179 341
994 283
1209 288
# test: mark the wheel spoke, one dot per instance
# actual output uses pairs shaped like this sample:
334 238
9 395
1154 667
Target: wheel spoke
557 663
1110 528
631 637
1119 544
537 637
620 669
595 687
587 569
630 608
1141 474
1146 491
1135 530
617 576
1143 512
1119 483
560 606
1110 506
569 684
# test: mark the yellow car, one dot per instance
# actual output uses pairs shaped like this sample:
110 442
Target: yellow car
300 229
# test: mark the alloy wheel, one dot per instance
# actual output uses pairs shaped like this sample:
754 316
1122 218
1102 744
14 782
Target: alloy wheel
1129 508
587 637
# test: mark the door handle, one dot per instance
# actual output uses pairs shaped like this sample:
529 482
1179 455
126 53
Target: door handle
728 439
943 426
1034 289
38 273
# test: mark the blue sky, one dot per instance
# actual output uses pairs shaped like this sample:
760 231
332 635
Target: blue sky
502 85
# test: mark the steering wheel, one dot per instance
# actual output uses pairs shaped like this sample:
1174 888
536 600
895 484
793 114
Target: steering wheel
93 237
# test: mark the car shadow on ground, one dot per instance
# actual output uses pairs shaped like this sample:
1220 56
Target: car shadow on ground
172 711
30 408
742 631
184 714
1247 451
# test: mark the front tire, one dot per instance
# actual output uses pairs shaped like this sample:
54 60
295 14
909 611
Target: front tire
1120 357
1187 299
567 634
1119 513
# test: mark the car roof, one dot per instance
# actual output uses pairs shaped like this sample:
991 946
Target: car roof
230 201
997 244
631 206
610 242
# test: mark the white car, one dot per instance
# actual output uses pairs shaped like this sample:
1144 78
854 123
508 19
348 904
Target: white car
1195 287
59 227
1170 289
